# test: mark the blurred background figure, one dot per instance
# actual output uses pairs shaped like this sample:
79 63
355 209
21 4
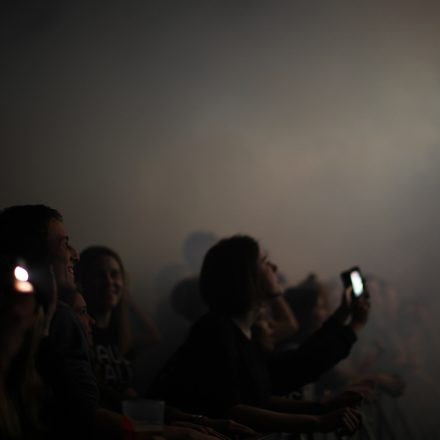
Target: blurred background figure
185 297
180 303
311 301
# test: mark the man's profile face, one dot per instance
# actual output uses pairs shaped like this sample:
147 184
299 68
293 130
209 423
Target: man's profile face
64 256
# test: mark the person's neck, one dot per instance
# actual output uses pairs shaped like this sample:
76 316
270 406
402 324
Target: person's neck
246 321
102 320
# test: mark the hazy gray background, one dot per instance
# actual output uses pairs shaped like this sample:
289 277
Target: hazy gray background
312 125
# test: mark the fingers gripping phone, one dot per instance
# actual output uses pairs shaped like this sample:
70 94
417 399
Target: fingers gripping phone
354 279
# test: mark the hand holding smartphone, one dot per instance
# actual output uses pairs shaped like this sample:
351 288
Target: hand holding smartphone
353 278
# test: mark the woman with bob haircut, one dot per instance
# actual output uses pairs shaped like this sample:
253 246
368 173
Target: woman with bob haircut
220 371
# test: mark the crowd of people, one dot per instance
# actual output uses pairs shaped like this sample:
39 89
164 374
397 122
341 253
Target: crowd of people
246 368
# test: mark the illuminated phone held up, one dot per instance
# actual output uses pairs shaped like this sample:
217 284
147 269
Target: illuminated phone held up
353 278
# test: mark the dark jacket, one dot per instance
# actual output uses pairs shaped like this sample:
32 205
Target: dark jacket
218 367
64 364
297 367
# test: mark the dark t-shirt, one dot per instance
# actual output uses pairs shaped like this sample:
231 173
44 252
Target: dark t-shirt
64 364
111 366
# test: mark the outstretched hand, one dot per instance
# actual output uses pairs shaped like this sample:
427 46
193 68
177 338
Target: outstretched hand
344 310
391 384
344 421
360 311
357 309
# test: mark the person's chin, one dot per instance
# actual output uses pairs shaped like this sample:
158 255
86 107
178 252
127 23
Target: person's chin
66 283
112 302
70 279
277 292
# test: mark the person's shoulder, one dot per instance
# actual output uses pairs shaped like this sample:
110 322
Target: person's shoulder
212 321
64 316
214 327
65 328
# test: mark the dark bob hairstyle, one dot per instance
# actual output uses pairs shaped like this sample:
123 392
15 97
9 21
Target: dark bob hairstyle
229 275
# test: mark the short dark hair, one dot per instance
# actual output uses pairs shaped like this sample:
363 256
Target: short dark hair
24 230
229 275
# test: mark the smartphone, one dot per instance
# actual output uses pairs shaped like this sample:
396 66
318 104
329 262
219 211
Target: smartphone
19 277
353 278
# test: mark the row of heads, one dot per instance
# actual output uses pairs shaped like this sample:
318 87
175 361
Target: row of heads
235 275
33 277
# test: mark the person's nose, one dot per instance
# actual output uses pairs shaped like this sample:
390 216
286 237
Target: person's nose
274 267
108 278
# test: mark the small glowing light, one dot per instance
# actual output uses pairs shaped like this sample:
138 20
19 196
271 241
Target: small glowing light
23 286
356 281
21 274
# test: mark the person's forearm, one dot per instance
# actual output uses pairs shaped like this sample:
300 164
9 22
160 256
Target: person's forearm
283 404
265 420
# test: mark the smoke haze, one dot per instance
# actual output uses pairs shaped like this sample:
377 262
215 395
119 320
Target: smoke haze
311 125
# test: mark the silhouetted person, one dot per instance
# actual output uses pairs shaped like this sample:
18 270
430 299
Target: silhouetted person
220 370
